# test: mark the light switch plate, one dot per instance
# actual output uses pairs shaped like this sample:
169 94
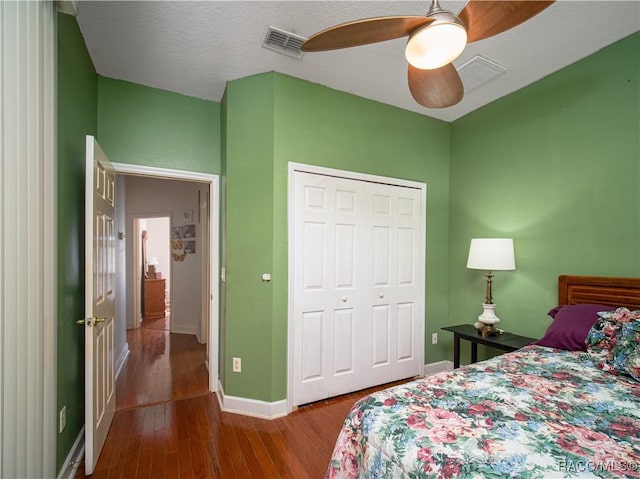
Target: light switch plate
237 365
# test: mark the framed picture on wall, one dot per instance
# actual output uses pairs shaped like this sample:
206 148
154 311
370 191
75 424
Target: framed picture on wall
189 231
190 247
187 215
176 232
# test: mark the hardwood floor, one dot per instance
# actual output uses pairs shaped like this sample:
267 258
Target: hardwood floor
161 367
170 428
160 323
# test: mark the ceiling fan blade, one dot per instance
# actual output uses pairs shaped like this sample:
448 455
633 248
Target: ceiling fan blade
438 88
485 18
363 32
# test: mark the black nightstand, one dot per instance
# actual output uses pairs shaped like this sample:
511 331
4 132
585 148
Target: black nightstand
505 341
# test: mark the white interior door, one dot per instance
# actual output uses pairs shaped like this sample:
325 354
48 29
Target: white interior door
328 297
357 290
100 280
395 322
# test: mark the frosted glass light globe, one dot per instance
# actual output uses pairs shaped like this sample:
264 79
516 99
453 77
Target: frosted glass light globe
437 44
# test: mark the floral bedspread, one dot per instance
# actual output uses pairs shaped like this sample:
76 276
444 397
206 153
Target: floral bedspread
536 412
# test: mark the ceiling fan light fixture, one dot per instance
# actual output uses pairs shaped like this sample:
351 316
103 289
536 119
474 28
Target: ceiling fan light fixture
438 43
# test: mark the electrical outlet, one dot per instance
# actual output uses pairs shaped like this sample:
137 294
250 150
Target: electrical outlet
434 338
237 365
63 419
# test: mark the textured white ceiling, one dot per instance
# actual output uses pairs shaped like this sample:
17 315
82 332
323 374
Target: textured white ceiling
194 48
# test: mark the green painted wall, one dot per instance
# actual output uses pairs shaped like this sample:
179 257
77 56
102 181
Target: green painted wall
292 120
77 117
147 126
556 166
248 327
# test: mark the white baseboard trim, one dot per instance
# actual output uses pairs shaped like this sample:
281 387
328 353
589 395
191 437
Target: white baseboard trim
179 329
251 407
200 339
74 458
276 409
437 367
121 359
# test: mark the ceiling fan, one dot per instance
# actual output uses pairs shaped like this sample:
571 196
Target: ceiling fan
435 40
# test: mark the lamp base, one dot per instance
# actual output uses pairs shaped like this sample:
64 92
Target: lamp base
486 330
487 321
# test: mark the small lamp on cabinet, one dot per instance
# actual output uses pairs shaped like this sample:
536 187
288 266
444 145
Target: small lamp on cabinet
490 254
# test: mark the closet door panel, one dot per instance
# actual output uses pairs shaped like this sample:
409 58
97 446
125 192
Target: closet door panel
357 302
326 259
395 285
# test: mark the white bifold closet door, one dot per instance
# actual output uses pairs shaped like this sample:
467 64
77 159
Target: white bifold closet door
358 301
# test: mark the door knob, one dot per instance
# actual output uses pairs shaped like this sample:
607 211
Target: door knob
91 321
344 299
381 295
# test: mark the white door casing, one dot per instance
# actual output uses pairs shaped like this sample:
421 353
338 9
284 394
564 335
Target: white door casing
100 280
356 281
136 291
212 299
205 312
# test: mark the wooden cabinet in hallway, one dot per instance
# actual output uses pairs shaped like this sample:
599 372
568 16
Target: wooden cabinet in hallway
154 298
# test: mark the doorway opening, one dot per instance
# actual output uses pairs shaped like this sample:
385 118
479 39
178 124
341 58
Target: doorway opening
153 272
198 314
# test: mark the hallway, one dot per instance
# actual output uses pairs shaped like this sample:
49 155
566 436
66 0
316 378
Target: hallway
161 366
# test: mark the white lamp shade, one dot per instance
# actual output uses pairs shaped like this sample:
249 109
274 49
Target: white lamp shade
493 254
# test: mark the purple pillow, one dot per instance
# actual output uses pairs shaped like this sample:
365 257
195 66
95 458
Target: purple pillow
570 326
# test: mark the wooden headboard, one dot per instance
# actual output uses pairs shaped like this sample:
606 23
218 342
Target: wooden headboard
611 291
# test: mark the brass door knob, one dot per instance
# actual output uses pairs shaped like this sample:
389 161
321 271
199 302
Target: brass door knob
91 321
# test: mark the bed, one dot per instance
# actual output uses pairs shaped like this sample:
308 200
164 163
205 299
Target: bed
540 411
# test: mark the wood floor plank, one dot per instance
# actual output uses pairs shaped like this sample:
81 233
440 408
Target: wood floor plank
230 446
200 460
185 465
102 474
259 450
240 425
145 459
171 471
131 456
157 463
283 457
215 464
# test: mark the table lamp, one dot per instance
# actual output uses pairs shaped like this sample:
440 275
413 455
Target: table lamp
490 254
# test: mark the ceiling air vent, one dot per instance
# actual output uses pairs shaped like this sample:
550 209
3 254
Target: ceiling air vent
283 42
479 71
